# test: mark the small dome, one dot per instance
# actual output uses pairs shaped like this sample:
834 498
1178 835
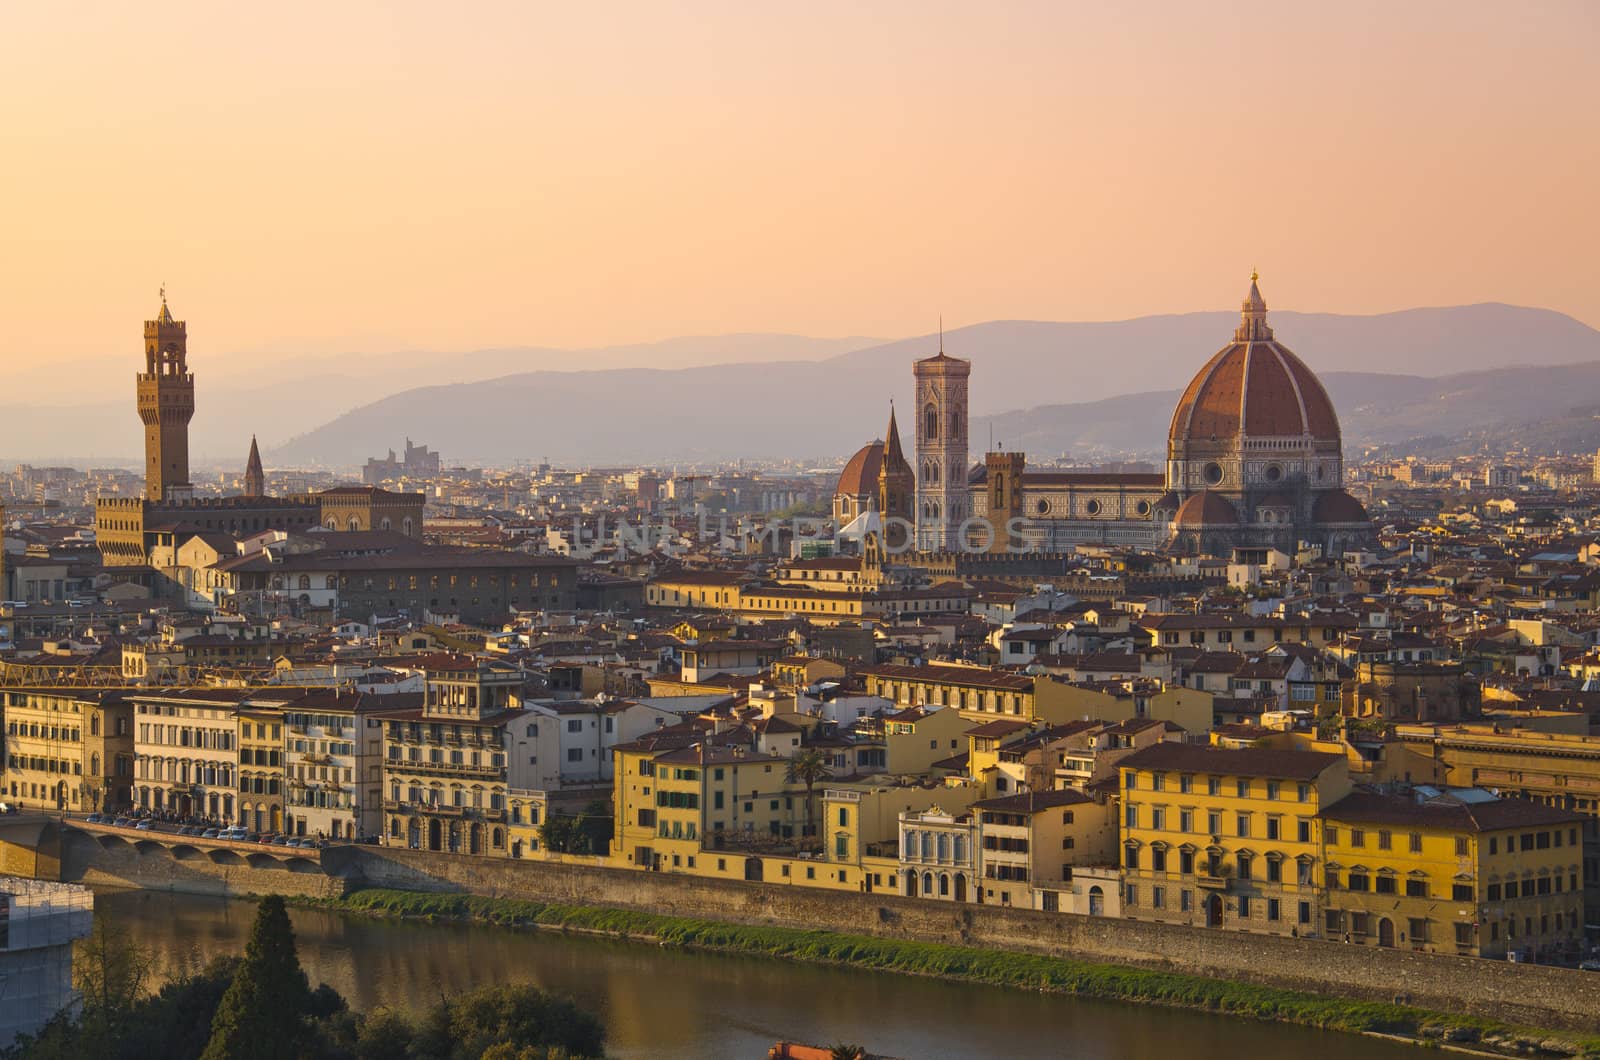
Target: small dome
1207 509
1169 502
1337 506
860 475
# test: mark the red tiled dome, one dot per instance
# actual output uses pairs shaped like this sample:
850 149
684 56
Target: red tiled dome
1337 506
1254 387
1207 509
860 475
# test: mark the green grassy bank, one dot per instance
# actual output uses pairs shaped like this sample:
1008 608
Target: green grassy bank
966 964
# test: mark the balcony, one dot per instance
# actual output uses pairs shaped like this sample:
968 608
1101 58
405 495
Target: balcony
1211 881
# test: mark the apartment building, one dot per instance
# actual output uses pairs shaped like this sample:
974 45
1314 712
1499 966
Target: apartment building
68 749
1227 838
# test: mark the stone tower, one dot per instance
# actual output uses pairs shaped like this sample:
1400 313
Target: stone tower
897 489
166 404
1003 485
255 479
942 492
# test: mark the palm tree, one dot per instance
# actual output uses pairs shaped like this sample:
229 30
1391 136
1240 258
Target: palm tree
807 767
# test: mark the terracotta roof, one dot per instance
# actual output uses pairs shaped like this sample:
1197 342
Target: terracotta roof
1033 801
1337 506
1254 386
1207 509
1220 761
1447 812
860 475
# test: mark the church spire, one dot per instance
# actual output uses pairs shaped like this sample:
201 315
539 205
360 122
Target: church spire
1253 315
255 479
893 456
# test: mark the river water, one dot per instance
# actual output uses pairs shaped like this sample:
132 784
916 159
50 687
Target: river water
662 1003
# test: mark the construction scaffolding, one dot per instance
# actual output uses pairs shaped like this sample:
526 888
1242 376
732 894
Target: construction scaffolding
39 922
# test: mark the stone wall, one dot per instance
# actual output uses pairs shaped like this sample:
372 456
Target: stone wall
1539 996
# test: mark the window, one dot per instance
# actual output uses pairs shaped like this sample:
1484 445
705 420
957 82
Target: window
1384 839
1158 859
1418 928
1414 842
1245 862
1272 909
1463 934
1214 822
1158 897
1358 882
1461 892
1214 786
1242 788
574 754
1272 789
1272 827
1358 837
1185 820
1243 822
1244 907
1158 818
1385 885
1303 830
1416 888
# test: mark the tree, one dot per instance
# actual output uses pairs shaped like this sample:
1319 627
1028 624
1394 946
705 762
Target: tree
522 1018
263 1014
556 834
807 767
595 824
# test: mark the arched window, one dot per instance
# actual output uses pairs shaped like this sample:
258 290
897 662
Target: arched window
930 422
355 523
385 525
305 581
405 526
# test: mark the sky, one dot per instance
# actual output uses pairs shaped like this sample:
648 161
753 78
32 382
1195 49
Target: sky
323 178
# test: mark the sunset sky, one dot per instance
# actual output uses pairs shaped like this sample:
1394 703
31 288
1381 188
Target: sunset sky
363 177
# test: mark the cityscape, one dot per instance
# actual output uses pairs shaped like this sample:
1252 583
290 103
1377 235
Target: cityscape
1123 669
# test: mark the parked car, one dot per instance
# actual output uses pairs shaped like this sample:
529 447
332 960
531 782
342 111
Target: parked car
145 825
1589 966
93 818
280 841
209 833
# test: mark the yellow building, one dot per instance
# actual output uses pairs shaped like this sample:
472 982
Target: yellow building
1552 768
917 737
1226 838
1467 874
678 794
68 749
261 774
1028 844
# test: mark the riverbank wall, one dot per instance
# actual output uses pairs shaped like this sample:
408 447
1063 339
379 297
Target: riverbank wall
1526 994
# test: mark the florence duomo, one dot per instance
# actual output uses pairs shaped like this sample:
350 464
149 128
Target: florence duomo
1254 461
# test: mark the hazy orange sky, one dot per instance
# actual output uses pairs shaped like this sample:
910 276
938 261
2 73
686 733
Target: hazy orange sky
370 176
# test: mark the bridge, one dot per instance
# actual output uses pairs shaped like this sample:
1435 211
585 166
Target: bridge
112 837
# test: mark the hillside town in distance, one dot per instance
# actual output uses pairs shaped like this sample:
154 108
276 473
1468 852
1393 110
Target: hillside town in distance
1267 686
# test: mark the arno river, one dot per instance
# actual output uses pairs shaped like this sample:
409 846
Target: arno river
666 1003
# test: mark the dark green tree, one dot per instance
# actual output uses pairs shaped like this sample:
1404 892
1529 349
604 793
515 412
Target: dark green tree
263 1014
595 824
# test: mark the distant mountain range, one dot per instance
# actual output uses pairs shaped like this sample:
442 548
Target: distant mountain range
1083 388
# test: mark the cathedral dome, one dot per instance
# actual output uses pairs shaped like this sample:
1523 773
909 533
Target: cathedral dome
1207 509
1337 506
860 475
1254 388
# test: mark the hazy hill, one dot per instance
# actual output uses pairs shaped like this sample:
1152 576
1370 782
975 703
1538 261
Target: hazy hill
77 412
829 407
